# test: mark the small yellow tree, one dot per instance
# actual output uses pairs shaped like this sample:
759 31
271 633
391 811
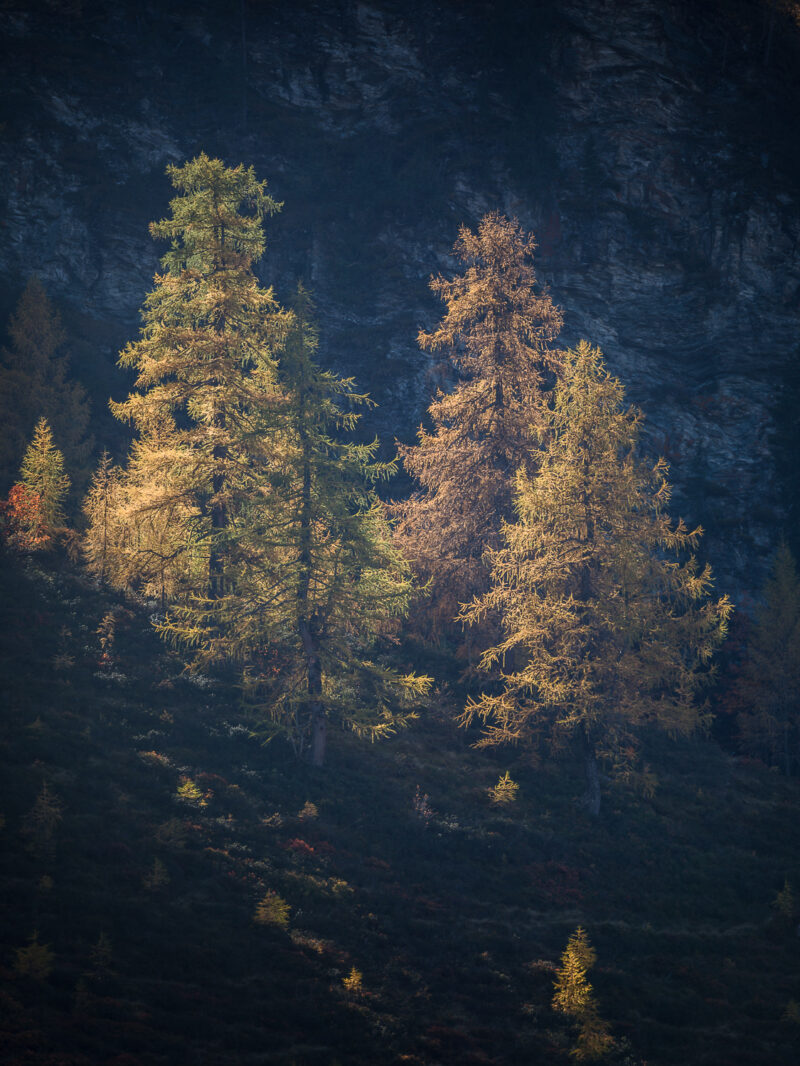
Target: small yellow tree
573 997
272 909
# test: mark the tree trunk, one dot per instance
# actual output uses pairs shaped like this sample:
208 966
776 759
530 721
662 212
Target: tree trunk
319 725
219 520
592 796
219 515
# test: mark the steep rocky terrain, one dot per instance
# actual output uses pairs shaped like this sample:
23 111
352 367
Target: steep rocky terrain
649 145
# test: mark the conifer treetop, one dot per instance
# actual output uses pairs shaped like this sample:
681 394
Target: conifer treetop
497 334
496 312
216 222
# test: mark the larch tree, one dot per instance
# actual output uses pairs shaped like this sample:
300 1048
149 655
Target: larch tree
35 383
497 336
101 508
767 692
42 472
146 532
606 626
321 580
205 372
573 996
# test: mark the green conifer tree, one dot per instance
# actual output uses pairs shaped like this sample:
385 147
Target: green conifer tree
205 374
42 472
318 577
605 629
35 383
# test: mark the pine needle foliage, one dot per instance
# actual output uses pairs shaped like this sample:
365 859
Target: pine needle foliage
42 472
354 982
272 909
605 627
321 581
205 371
101 508
145 532
574 997
505 792
497 337
573 993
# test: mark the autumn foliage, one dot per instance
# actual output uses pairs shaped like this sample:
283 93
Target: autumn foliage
22 521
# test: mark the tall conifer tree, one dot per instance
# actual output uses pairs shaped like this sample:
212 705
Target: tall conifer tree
604 627
320 578
205 366
497 335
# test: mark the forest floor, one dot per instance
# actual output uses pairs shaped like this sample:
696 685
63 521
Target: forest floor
425 923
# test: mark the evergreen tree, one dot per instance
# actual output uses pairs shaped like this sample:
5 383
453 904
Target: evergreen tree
574 997
768 689
205 373
497 334
101 508
145 533
573 993
319 578
605 629
42 472
34 384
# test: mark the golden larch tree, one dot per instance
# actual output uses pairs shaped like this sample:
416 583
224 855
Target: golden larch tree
497 336
606 626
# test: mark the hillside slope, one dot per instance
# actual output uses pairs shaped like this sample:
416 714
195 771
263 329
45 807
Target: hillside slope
175 822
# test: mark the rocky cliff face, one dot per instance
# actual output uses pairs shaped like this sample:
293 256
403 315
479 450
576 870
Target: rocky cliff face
649 145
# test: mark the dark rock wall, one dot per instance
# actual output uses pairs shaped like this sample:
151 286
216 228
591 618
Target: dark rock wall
651 145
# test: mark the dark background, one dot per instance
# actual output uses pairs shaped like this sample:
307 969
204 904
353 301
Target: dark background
651 146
